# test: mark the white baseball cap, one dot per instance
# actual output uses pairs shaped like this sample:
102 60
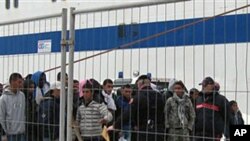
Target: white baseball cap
55 85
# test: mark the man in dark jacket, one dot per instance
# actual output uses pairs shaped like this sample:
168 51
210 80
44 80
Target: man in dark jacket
236 116
30 111
49 114
212 113
146 113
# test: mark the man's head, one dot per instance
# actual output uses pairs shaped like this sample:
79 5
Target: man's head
42 80
55 89
87 91
28 87
179 88
76 86
207 85
143 81
194 93
16 81
59 77
108 86
216 86
127 91
1 89
233 106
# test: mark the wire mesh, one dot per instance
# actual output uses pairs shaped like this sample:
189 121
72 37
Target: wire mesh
26 48
185 41
174 54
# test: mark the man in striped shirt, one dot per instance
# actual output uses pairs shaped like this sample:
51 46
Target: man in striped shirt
91 115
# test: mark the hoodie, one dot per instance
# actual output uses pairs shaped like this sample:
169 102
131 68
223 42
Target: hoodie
38 92
12 112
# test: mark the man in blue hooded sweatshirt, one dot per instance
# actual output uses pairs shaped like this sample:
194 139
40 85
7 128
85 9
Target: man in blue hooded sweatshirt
41 84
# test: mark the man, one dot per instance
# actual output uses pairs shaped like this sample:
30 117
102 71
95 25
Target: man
108 96
31 111
212 112
48 114
76 100
179 114
193 95
123 104
58 78
236 116
41 84
91 115
1 89
146 112
12 110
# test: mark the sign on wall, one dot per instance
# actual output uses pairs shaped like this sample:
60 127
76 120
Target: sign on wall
44 46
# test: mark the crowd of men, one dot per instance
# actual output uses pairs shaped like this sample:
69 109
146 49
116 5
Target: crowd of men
30 106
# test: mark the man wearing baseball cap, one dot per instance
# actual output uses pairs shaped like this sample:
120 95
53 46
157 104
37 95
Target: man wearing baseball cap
212 112
49 113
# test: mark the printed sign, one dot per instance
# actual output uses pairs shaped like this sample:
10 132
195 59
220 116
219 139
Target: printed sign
44 46
239 132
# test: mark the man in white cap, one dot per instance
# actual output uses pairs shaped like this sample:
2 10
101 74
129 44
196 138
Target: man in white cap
49 115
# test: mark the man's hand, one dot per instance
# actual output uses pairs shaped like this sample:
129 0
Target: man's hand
103 121
4 138
110 128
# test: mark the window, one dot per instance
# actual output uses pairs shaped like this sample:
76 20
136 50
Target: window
7 4
16 2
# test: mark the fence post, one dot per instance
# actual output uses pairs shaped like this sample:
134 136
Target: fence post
71 71
63 72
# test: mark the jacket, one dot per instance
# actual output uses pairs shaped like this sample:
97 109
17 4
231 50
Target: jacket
212 113
31 117
172 117
146 113
236 118
122 106
48 117
12 112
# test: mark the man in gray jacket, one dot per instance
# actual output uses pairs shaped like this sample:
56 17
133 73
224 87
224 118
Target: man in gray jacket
179 114
12 110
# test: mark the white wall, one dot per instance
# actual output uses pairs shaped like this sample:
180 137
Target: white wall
190 64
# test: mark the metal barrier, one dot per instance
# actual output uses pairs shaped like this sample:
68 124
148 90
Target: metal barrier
167 41
26 47
187 41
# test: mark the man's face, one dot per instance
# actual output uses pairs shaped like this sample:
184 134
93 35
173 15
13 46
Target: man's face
42 81
56 93
234 107
209 88
31 89
1 88
76 87
195 95
108 88
178 90
17 84
87 95
126 92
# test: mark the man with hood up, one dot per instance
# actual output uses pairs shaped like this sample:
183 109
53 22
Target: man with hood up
12 110
41 86
179 114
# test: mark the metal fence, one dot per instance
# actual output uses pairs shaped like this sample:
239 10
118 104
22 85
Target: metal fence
26 47
187 41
